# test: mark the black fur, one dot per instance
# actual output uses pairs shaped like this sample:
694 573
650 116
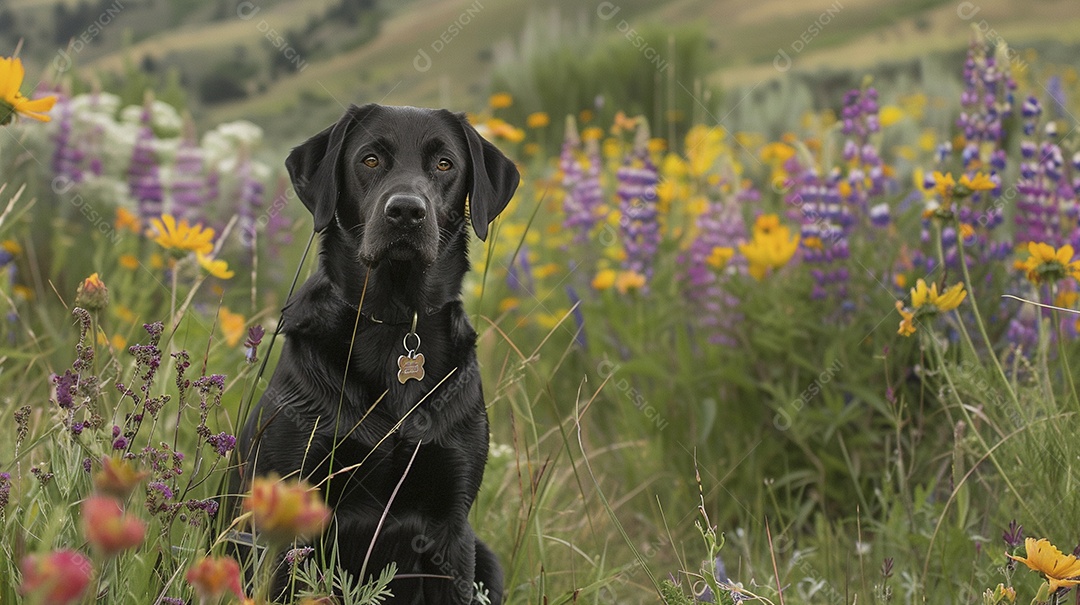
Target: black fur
329 377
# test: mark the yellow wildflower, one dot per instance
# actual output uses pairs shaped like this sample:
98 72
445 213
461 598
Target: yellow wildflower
907 320
771 247
777 152
1061 571
546 270
889 115
182 236
604 280
217 268
719 257
949 299
1065 299
12 102
1044 264
592 133
12 247
980 182
509 303
943 184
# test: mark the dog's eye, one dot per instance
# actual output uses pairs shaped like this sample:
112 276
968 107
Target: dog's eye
371 161
444 165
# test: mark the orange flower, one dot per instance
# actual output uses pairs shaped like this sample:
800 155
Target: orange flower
213 576
283 512
107 528
501 100
537 119
629 281
117 477
502 130
624 123
129 261
92 294
58 578
232 326
127 221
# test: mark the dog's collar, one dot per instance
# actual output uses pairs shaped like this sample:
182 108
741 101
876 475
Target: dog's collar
407 319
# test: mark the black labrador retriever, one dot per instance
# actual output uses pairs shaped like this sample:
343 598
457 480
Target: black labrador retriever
377 397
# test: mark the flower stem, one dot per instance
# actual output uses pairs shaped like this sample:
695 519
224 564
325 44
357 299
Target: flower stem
1063 355
978 316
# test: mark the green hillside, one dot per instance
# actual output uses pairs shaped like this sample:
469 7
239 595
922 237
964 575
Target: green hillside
290 65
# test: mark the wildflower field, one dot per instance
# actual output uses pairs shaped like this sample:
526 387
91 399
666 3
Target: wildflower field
831 366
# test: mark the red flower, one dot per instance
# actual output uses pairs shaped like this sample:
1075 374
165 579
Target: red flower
283 512
58 578
212 576
107 528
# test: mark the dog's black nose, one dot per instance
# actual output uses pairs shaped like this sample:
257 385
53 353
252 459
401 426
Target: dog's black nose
405 210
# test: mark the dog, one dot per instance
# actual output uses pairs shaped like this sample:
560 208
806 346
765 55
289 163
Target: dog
376 397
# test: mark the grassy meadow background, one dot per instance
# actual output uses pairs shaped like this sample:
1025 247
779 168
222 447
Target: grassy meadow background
687 316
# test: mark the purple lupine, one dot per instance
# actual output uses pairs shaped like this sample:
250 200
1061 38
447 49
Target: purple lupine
188 188
250 202
826 220
860 121
719 226
1043 185
144 180
987 101
276 231
639 227
519 276
580 183
67 156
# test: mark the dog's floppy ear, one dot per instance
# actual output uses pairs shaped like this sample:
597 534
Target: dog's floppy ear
315 166
494 180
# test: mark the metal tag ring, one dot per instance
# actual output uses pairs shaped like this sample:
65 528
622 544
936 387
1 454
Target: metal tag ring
405 343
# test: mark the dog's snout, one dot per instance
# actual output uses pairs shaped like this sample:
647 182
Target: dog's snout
405 210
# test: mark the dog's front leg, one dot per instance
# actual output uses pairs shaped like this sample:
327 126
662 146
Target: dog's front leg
448 563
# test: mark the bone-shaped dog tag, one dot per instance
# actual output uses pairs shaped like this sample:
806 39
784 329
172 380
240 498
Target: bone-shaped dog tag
410 367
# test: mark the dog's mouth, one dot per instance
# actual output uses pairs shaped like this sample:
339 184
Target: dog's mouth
401 249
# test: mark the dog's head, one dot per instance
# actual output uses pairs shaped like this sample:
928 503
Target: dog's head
395 179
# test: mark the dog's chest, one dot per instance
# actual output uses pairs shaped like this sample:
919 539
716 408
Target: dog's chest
426 479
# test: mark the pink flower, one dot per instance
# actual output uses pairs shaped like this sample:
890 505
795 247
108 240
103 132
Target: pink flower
212 576
108 528
58 578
